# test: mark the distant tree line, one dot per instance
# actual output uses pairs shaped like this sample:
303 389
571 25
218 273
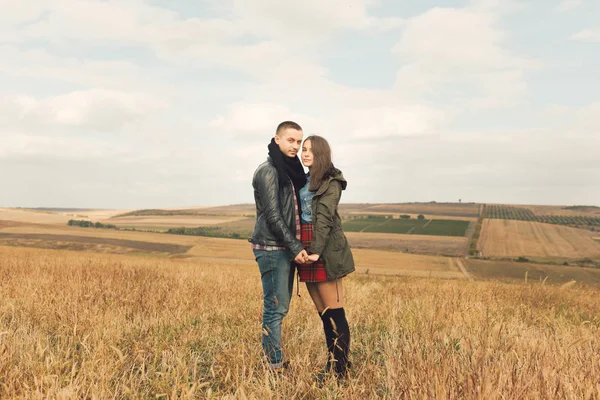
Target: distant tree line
90 224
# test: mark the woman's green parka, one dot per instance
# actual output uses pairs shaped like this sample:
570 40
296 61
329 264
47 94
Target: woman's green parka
329 240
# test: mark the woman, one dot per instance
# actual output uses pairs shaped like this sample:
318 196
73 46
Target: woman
330 258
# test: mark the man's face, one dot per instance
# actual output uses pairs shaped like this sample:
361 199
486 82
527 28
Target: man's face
289 141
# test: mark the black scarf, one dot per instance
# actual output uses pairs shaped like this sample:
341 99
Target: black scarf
287 167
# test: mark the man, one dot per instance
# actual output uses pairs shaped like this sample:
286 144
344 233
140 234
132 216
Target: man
276 237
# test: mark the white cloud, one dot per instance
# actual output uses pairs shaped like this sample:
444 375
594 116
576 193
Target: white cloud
574 120
460 53
42 67
568 5
391 122
210 41
586 119
309 20
498 6
161 79
17 144
259 120
588 35
119 22
96 109
66 23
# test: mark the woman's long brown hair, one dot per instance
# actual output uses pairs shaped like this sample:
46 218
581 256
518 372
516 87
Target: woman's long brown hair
321 161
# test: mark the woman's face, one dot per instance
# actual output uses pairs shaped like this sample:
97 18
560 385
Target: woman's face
307 155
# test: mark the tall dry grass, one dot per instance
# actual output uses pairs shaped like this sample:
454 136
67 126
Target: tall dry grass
101 326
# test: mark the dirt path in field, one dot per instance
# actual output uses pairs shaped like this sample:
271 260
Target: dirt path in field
462 268
413 228
367 227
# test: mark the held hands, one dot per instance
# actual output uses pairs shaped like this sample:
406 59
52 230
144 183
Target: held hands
304 258
313 258
301 257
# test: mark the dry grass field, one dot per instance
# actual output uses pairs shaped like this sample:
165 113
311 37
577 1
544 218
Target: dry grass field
511 271
53 217
96 240
205 248
394 263
229 219
99 233
561 210
9 214
83 325
467 210
108 217
508 238
421 244
95 215
170 221
82 243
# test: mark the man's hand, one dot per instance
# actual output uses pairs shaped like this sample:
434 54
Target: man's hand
301 257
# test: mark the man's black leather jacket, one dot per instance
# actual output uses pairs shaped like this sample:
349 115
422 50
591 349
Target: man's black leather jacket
275 218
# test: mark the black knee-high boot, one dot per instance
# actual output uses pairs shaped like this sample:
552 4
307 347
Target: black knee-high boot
329 337
341 340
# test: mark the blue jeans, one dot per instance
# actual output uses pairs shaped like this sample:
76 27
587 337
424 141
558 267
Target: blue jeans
277 276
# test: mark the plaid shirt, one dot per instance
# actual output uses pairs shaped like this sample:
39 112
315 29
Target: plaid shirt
257 246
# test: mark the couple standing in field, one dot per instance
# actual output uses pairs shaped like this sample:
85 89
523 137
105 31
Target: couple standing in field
298 227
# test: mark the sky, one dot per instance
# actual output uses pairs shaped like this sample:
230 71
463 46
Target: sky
154 104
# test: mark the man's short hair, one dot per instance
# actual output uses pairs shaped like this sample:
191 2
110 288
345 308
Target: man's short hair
286 125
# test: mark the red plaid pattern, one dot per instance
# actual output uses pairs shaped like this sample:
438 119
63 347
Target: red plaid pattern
314 272
258 246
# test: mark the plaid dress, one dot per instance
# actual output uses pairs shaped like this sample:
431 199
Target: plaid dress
314 272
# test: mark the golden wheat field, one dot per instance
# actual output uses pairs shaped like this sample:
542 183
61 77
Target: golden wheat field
106 326
503 238
207 248
421 244
562 210
53 217
21 228
394 263
511 271
109 217
9 214
170 220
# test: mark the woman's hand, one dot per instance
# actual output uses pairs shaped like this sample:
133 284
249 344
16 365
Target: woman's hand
313 258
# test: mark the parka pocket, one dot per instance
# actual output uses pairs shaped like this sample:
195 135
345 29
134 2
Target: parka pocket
338 240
